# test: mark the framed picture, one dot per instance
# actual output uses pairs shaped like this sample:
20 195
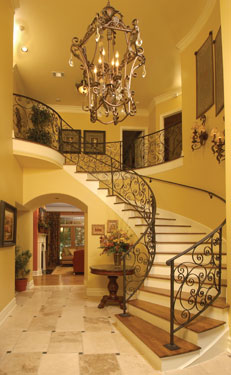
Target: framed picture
98 229
70 141
112 225
204 77
8 223
94 142
219 80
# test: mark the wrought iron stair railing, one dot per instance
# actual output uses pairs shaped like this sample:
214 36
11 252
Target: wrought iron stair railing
133 190
198 278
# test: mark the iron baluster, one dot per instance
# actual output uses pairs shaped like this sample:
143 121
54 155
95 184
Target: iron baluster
172 345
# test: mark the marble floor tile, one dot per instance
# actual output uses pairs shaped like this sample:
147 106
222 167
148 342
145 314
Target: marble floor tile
20 363
50 310
55 364
99 364
70 323
32 342
98 343
98 324
65 342
123 345
94 312
135 365
43 323
8 338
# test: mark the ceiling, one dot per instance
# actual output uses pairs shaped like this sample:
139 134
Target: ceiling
50 25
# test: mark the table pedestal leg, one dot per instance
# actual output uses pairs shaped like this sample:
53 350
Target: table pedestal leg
112 297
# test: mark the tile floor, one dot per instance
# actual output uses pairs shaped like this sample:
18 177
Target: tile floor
57 330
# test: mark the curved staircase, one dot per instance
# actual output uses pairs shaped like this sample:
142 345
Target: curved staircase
148 323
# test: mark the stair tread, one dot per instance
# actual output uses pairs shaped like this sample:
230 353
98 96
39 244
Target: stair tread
220 302
173 225
155 338
167 277
198 325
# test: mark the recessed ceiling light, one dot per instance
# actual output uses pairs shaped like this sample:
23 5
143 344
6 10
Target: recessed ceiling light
58 74
57 99
24 49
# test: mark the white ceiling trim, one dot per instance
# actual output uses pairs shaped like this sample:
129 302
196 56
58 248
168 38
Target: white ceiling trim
202 19
14 4
164 97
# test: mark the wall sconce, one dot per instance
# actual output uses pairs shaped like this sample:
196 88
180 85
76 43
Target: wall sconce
200 134
218 143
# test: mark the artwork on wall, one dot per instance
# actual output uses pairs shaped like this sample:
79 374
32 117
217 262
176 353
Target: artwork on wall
112 225
204 77
94 142
71 141
98 229
219 81
8 224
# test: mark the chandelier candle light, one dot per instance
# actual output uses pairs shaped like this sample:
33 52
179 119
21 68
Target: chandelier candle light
117 53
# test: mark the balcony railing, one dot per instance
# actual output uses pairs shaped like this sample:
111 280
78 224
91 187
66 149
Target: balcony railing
35 121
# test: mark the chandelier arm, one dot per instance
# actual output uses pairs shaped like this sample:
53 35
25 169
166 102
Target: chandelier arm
111 122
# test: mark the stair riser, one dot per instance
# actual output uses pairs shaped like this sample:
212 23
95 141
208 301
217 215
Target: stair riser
187 236
165 270
183 333
211 312
180 246
162 257
165 284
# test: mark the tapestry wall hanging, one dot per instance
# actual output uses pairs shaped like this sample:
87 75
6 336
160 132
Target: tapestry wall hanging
204 77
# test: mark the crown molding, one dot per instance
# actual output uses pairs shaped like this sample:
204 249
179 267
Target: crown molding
164 97
14 4
202 19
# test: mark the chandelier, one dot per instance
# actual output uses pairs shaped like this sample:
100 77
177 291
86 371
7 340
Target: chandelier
116 54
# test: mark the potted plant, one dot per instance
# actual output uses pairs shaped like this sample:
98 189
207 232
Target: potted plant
21 268
42 226
41 119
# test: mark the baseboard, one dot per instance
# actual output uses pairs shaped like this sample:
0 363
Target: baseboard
37 273
30 285
229 345
96 292
7 310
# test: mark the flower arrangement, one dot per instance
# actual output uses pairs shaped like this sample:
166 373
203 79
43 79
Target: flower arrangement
115 242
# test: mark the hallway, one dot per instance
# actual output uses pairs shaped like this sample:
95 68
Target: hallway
58 330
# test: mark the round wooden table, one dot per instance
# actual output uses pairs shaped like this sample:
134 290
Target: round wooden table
112 272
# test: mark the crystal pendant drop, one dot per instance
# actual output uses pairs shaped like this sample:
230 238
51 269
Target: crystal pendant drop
97 37
139 41
144 72
71 62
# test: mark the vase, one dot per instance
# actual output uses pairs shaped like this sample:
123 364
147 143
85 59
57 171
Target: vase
117 259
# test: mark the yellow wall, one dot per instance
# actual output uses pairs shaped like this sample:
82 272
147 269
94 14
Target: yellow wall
200 168
25 234
226 42
10 173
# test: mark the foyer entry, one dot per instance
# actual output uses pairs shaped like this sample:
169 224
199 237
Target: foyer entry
132 148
